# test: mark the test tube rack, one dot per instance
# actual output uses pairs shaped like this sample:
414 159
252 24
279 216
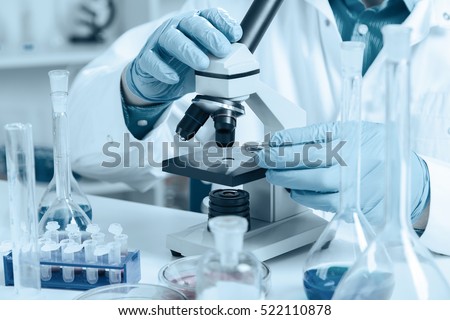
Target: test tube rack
130 268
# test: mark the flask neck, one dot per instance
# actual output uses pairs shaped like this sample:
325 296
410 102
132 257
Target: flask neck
61 154
351 137
229 247
398 152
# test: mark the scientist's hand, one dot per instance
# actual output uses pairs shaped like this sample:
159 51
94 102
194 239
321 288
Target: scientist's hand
307 161
164 69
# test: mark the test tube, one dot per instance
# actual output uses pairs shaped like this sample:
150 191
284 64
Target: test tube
67 256
48 253
123 240
115 275
101 253
23 217
90 258
98 237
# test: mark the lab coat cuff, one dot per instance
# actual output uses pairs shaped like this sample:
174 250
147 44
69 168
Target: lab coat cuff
436 234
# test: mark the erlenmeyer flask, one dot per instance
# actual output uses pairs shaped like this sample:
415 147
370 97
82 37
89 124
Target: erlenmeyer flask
348 233
228 272
396 265
59 82
63 209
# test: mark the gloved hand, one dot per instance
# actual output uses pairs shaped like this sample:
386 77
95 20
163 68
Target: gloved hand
164 69
309 165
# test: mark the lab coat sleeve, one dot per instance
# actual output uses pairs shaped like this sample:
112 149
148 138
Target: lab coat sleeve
437 232
101 145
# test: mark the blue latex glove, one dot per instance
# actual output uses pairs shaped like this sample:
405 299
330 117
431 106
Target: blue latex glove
314 178
164 69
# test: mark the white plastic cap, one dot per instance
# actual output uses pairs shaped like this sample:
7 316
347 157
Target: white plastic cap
115 228
397 42
73 248
72 228
52 226
93 228
101 250
352 55
50 246
59 80
228 232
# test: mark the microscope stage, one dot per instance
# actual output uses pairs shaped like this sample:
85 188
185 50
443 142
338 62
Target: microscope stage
227 166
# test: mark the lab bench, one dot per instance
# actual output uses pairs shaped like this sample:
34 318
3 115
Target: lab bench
147 227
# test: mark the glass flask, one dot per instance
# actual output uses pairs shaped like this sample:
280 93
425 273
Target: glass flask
64 210
348 233
396 265
59 82
23 220
228 272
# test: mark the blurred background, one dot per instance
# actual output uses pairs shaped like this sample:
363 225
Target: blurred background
38 36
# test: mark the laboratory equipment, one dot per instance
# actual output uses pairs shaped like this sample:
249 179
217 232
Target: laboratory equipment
52 231
229 202
59 83
63 209
48 250
89 257
73 233
23 219
348 233
140 291
116 229
87 275
115 276
181 276
278 224
396 265
229 272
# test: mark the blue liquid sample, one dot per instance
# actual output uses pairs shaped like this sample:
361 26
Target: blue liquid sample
87 209
320 284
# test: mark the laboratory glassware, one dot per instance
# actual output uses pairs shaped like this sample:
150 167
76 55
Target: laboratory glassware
348 233
63 209
396 265
59 82
228 272
23 219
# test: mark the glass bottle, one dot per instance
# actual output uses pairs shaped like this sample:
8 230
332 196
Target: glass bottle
63 209
59 82
396 265
23 220
348 233
228 272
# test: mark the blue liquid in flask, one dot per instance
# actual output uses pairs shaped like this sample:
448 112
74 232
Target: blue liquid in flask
320 284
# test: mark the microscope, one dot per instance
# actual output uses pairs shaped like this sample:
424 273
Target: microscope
225 89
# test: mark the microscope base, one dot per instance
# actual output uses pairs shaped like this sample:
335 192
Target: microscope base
265 240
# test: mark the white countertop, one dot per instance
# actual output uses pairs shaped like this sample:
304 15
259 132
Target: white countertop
147 227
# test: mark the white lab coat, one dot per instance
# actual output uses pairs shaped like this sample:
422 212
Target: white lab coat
299 58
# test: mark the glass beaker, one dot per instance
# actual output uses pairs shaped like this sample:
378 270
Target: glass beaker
63 209
396 265
23 220
228 272
348 233
59 82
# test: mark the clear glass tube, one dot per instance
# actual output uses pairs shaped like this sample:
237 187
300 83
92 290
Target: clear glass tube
21 187
229 272
396 265
63 209
348 233
59 83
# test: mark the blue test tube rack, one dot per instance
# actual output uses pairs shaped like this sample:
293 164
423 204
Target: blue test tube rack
130 268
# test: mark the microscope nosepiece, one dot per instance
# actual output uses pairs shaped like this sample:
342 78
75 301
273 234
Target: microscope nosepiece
193 120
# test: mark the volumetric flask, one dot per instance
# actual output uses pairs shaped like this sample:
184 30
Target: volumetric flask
348 233
396 265
59 83
228 272
64 210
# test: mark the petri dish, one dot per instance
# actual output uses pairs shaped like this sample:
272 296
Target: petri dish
180 276
125 291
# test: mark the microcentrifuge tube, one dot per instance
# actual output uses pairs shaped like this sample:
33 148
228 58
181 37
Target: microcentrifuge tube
93 228
98 237
52 232
49 251
115 275
90 258
123 240
67 256
101 253
73 232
